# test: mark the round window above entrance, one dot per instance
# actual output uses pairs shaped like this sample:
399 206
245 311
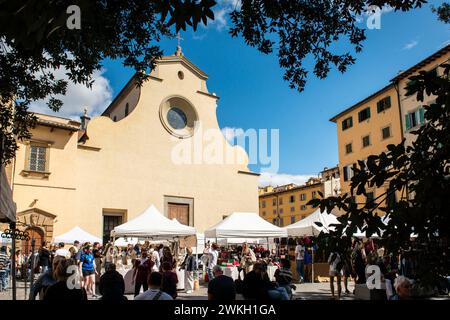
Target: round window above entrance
178 116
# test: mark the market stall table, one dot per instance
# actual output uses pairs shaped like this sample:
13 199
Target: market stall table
128 279
232 272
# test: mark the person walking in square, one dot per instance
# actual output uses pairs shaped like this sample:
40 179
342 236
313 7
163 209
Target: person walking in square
44 257
300 260
142 269
335 265
212 252
87 269
190 266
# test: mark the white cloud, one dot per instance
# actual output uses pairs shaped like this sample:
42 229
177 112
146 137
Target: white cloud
231 133
220 20
410 45
78 97
198 36
223 8
279 179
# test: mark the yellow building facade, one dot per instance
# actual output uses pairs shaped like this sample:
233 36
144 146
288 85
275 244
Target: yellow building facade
287 204
412 110
386 117
143 150
365 129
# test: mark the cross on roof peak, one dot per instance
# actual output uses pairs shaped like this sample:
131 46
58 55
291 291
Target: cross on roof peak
179 38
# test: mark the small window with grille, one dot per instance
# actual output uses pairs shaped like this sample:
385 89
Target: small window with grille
37 160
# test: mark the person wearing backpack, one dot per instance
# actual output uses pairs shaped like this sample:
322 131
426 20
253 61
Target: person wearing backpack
335 262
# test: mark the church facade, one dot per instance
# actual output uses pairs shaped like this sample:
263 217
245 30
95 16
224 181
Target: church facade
152 145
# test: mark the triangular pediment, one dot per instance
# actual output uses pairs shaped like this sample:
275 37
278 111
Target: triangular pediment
36 211
185 62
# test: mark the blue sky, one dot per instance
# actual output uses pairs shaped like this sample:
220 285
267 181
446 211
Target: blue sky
253 93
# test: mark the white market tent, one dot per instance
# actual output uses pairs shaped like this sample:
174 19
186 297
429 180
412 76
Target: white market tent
151 224
308 226
77 234
245 225
361 234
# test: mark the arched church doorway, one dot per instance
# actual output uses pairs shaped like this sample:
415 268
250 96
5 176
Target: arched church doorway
34 233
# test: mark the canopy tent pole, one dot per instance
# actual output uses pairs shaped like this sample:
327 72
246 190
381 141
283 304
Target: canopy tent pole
312 263
13 262
312 260
197 275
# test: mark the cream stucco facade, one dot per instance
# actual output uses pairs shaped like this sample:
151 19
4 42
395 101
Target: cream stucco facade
121 167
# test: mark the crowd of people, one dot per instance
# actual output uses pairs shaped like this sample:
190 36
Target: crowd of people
397 271
85 270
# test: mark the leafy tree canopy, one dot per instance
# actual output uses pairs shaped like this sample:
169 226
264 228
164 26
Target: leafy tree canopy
34 40
443 12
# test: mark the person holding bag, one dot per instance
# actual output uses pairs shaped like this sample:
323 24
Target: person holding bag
248 258
189 266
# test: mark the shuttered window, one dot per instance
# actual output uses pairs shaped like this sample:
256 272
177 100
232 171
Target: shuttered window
347 123
366 141
364 114
386 132
348 148
414 119
348 172
384 104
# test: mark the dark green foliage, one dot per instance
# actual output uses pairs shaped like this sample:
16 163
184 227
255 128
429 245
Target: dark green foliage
34 41
420 173
443 12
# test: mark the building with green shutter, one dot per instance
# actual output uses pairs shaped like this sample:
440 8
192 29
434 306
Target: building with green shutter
412 110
